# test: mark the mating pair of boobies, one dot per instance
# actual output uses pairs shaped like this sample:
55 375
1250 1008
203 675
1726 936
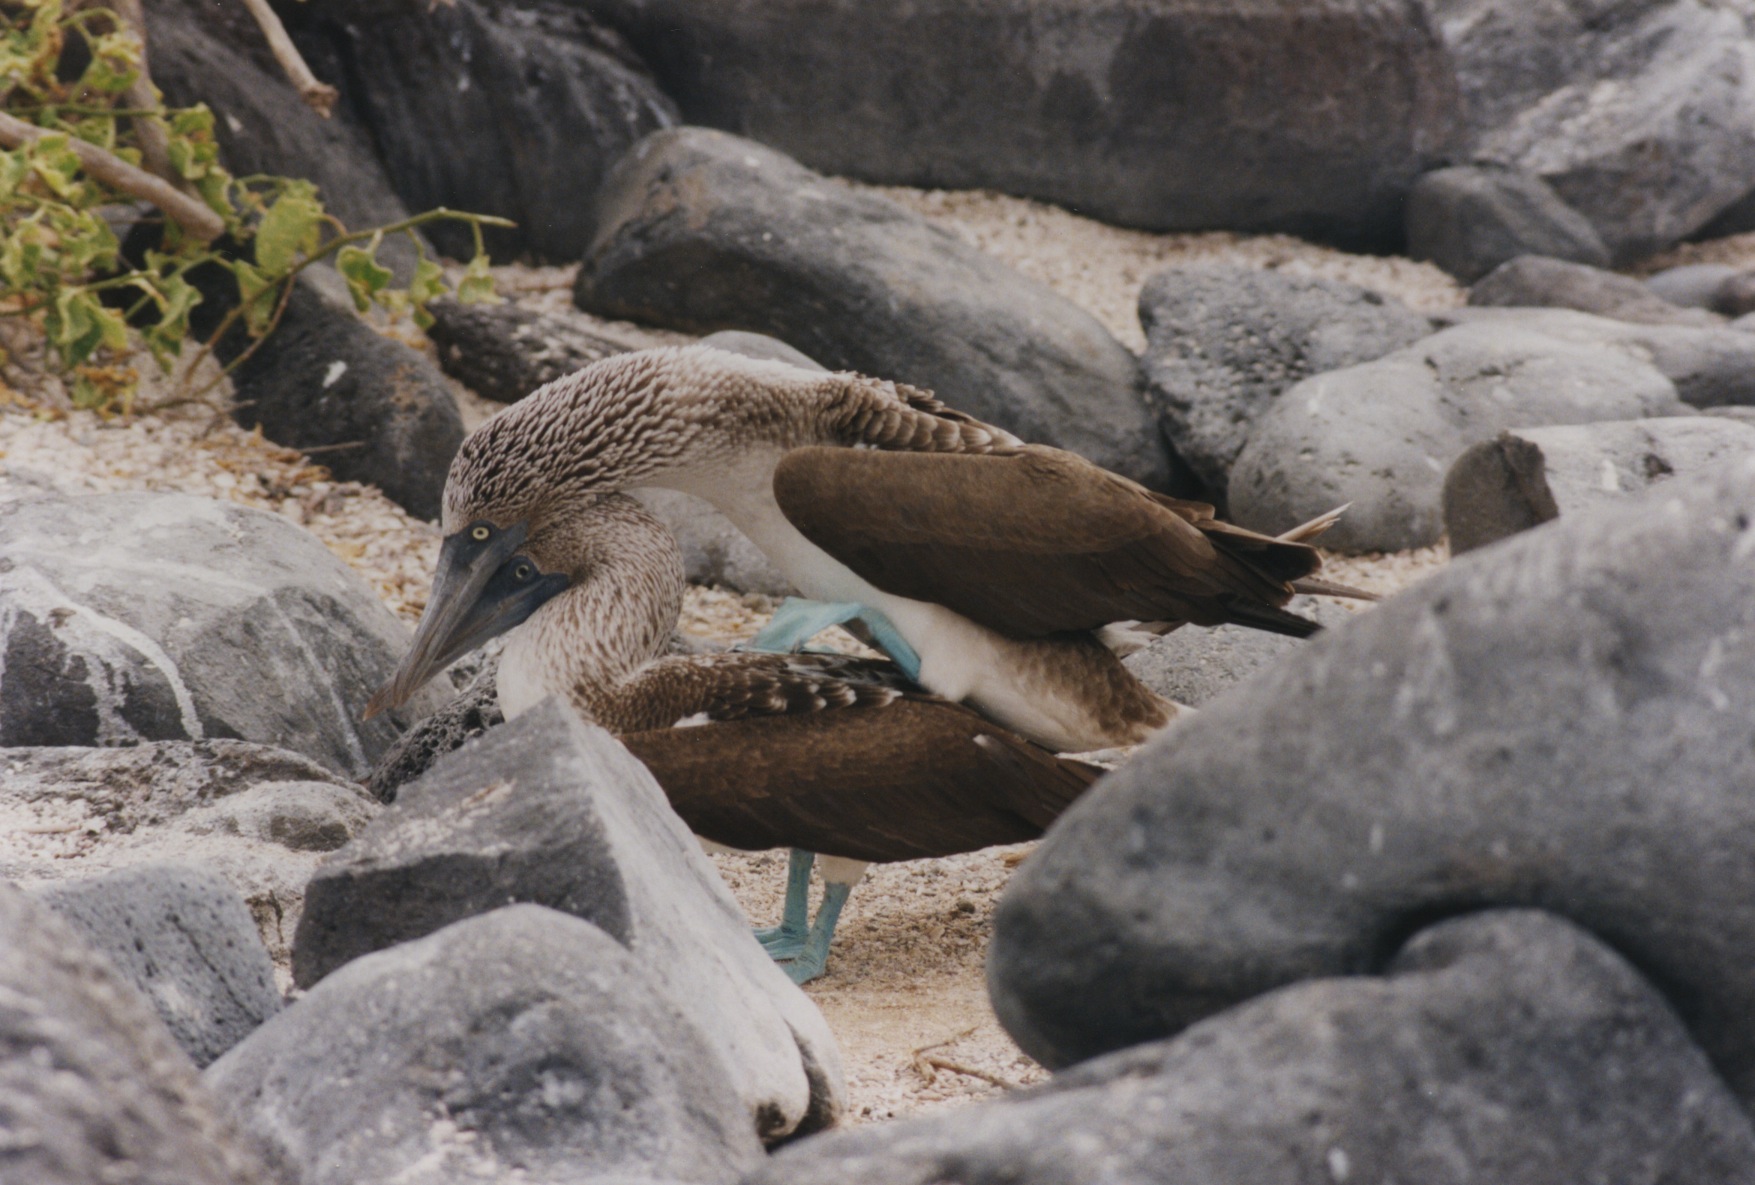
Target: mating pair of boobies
991 570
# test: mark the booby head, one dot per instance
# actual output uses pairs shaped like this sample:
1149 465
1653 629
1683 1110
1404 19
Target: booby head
486 583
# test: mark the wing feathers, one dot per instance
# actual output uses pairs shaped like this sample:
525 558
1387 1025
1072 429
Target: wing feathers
1032 541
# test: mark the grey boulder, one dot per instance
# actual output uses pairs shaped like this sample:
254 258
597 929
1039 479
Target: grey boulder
1192 665
1692 285
547 810
1536 281
1640 116
146 617
1710 364
1530 476
1469 219
703 231
521 1045
1305 116
1507 1046
259 817
183 938
1560 721
1381 435
92 1087
1222 343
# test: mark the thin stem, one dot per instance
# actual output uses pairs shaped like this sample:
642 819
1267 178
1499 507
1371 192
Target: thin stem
318 96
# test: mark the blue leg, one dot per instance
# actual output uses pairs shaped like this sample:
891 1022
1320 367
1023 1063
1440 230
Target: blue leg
797 621
810 962
786 940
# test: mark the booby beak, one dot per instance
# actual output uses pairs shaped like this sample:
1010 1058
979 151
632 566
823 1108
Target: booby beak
482 588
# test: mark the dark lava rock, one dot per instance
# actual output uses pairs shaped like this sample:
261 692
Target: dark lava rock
1471 218
1526 477
1736 296
1381 435
1307 116
1562 720
143 617
703 231
522 1045
1533 281
1224 342
201 52
1506 1046
1640 116
255 815
183 938
548 811
516 109
474 710
1192 665
503 352
371 408
92 1087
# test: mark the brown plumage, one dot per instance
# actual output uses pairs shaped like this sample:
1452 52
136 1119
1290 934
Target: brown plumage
836 754
999 563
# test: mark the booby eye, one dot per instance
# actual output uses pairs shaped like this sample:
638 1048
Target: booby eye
480 533
521 572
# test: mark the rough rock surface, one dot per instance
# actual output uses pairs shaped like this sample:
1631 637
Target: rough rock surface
1224 342
372 408
504 352
522 1045
131 617
1640 116
92 1087
1534 281
1711 365
1560 721
549 811
1307 116
703 231
517 110
1527 477
1192 665
183 938
1506 1046
215 54
1381 435
257 816
1469 219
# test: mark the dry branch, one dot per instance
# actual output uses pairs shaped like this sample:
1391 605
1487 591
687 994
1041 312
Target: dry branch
149 134
190 213
319 96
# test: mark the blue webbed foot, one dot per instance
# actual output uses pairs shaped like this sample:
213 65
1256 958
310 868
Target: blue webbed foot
797 621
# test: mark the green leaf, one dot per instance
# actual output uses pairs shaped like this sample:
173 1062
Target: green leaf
257 292
289 228
428 284
365 276
477 284
57 165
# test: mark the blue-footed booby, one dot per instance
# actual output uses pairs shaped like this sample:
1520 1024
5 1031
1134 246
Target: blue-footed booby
995 572
823 753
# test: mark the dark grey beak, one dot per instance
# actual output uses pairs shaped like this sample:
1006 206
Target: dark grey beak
482 588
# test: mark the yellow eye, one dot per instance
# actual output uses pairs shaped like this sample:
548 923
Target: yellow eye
522 572
480 534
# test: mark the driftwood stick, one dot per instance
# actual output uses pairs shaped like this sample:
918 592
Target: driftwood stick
190 213
318 96
149 134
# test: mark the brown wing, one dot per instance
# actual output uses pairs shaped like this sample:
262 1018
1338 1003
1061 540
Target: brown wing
1032 541
910 779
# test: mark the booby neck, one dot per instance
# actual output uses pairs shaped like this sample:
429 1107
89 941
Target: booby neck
617 614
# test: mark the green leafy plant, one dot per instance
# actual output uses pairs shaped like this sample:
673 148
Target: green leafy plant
70 147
